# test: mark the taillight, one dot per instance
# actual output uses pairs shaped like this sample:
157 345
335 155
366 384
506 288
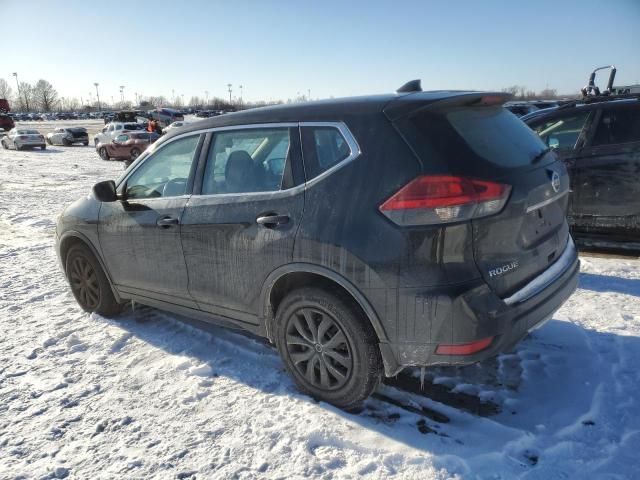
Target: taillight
435 199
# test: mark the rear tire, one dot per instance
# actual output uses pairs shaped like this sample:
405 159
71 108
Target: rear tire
135 153
4 145
88 282
49 141
43 147
18 147
328 347
86 144
66 142
103 153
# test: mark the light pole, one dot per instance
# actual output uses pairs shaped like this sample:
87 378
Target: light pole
240 86
97 94
229 87
122 94
206 98
136 93
26 100
173 96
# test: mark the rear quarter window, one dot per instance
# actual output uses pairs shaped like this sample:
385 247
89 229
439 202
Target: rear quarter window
324 147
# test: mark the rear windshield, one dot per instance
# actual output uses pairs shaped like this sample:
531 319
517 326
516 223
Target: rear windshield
496 135
490 134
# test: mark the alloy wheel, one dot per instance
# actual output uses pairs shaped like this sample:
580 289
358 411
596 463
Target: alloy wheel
319 349
84 282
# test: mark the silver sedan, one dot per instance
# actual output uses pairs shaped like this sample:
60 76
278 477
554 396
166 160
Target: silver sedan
20 138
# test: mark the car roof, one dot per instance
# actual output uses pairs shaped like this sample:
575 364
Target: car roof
335 109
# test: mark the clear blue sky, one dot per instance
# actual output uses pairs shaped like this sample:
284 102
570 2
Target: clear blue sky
334 48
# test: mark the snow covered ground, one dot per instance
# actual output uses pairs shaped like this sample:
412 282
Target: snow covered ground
148 395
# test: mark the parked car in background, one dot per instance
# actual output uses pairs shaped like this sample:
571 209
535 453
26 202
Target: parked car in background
598 139
174 125
166 116
6 122
126 146
113 129
21 138
68 136
234 220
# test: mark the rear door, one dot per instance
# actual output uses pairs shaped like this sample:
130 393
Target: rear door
607 174
241 223
478 139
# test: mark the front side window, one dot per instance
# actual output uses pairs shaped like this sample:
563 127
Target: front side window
165 172
618 126
562 132
323 148
244 161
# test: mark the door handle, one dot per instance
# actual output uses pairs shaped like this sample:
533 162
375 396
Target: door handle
166 222
272 221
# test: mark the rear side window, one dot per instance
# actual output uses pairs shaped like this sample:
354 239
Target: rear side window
618 126
562 132
245 161
324 147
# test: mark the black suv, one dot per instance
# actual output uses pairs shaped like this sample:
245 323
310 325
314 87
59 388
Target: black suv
359 235
598 139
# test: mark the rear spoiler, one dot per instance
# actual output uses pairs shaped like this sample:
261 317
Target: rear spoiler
436 101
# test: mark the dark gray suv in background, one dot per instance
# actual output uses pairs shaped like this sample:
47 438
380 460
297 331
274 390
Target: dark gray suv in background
360 235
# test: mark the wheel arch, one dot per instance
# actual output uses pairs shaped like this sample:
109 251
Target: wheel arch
71 238
286 278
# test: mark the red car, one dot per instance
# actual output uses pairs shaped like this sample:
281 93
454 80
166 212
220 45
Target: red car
127 146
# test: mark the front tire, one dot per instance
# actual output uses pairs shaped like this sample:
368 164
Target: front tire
49 141
66 142
89 284
4 145
103 153
43 147
328 346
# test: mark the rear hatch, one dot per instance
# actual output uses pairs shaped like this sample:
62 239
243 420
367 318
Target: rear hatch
473 136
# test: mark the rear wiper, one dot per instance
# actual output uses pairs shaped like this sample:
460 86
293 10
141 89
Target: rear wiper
540 154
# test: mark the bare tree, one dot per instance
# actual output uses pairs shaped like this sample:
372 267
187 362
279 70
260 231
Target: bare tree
25 97
513 89
72 103
5 90
45 95
548 93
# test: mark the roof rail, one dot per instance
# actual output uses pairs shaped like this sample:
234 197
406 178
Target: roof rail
599 99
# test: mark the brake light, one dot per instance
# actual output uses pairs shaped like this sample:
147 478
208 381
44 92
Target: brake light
463 348
436 199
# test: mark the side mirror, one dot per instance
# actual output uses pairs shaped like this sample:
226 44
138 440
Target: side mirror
105 191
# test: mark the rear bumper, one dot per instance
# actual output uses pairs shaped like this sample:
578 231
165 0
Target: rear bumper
473 312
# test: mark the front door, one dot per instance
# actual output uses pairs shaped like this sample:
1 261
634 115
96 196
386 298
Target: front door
242 224
607 174
140 235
